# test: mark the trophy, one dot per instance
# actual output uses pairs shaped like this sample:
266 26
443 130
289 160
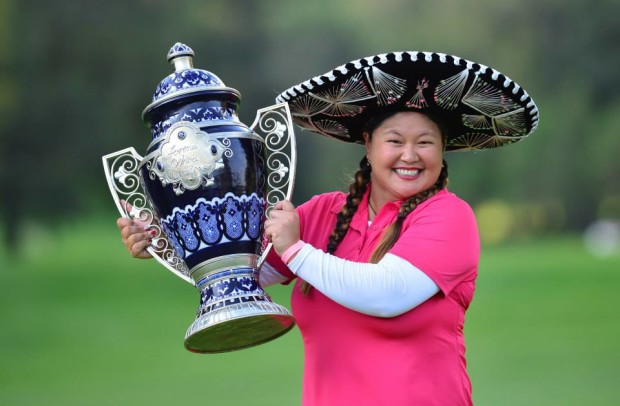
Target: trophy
204 189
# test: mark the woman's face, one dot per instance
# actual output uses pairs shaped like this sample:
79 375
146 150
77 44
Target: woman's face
405 153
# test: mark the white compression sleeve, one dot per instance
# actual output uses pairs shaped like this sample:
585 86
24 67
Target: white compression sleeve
387 289
268 276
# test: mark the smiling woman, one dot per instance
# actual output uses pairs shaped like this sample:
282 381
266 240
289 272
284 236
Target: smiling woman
385 273
397 272
405 152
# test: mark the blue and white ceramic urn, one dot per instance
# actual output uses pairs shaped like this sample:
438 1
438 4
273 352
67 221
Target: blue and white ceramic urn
204 188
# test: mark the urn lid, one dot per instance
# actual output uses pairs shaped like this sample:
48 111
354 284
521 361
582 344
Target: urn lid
187 80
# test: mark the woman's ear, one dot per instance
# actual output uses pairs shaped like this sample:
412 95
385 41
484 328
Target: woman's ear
367 141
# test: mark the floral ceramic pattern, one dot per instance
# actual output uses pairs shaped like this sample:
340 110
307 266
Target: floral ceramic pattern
217 221
187 79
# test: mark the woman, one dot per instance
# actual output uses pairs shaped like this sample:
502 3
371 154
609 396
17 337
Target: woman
387 271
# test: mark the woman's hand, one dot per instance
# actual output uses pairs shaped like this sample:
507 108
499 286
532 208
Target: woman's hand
282 227
134 236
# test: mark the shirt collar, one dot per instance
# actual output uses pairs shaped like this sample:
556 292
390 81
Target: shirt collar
387 213
360 218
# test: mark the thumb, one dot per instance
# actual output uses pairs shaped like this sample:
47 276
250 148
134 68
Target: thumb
285 205
126 206
133 213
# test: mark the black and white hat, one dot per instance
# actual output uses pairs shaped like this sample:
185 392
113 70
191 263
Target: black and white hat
481 107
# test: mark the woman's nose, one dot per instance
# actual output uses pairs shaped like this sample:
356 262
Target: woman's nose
409 154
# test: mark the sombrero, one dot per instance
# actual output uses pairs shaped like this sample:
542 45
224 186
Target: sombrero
481 107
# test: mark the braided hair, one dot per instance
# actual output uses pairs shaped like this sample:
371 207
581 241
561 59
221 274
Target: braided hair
361 179
358 187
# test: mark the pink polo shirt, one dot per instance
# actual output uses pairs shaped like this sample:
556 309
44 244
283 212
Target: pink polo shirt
417 358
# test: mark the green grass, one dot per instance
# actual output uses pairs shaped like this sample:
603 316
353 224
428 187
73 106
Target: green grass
544 326
81 323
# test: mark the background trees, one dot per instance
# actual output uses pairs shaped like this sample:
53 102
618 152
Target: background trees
75 77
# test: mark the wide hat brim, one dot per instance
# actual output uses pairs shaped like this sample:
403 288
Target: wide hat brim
481 107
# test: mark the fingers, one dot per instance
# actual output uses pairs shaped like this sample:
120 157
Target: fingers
138 250
282 226
282 209
123 222
126 205
129 230
134 213
135 238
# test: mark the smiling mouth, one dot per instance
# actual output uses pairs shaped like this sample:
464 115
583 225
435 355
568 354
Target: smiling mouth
407 172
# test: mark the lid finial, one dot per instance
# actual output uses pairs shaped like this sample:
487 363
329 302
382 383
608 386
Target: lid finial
181 57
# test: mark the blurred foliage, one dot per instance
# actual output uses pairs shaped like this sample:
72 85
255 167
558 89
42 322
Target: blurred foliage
75 77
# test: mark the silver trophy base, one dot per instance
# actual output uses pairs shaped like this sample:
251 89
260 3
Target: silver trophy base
235 312
238 326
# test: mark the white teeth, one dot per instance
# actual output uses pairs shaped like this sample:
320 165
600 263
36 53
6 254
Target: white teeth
407 172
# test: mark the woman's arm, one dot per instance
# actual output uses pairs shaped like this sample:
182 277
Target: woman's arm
387 289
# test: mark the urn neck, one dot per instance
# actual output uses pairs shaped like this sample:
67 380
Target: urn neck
182 63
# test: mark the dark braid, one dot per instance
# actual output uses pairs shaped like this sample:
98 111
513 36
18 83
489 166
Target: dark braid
356 193
357 189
